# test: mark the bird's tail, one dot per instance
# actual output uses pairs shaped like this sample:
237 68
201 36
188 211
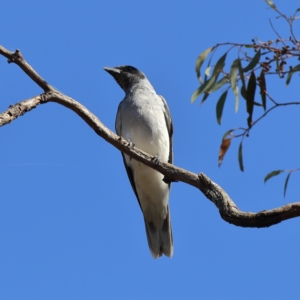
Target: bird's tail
160 241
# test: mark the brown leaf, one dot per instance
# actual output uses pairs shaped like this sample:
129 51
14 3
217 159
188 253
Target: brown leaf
223 149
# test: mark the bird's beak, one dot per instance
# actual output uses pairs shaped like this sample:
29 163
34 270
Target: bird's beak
112 71
118 75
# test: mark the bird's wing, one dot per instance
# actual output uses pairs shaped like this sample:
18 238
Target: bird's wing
169 124
129 171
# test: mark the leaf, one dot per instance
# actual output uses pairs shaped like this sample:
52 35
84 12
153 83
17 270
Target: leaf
227 133
298 9
218 84
204 88
271 4
200 60
272 174
233 74
220 105
196 94
244 92
286 183
293 70
223 149
249 46
236 93
207 85
204 98
207 71
253 62
241 73
205 77
220 64
250 97
240 156
263 89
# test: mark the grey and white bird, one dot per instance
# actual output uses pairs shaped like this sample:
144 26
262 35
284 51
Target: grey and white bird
144 119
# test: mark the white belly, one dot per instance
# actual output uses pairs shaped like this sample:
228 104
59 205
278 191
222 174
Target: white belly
153 138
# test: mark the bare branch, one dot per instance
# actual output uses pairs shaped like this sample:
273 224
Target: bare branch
227 208
17 58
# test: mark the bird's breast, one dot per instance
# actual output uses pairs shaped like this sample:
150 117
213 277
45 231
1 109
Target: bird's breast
146 127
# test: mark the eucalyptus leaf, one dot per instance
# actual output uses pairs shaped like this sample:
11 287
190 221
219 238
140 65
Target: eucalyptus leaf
200 60
286 183
253 62
294 70
240 156
220 106
263 89
271 3
272 174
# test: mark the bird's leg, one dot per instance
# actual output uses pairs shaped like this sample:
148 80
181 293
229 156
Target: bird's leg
130 145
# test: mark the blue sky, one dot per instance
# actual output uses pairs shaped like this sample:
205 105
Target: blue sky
70 226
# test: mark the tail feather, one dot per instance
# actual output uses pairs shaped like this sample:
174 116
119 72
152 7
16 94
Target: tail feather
160 241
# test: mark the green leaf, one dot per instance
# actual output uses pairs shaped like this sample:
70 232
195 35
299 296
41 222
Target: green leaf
208 65
220 64
220 106
240 156
244 92
294 70
272 174
204 88
241 73
207 85
248 46
200 60
271 4
233 75
218 84
250 97
196 94
204 98
298 9
233 72
227 133
263 89
236 93
286 183
207 71
253 62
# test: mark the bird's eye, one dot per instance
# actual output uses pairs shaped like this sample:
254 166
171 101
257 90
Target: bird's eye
129 68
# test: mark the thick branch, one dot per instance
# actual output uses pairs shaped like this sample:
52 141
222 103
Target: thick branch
227 208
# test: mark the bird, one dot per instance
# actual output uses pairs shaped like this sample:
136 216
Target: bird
144 120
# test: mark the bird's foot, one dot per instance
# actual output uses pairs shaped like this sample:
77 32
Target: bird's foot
168 180
156 159
130 144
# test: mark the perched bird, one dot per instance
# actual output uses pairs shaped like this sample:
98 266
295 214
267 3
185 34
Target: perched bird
144 119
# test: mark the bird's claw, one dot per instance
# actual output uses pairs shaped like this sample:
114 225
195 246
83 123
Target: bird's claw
156 159
130 144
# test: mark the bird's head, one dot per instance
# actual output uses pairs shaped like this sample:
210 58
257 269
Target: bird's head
126 76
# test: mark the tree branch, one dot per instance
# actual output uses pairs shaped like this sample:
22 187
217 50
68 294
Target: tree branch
227 208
